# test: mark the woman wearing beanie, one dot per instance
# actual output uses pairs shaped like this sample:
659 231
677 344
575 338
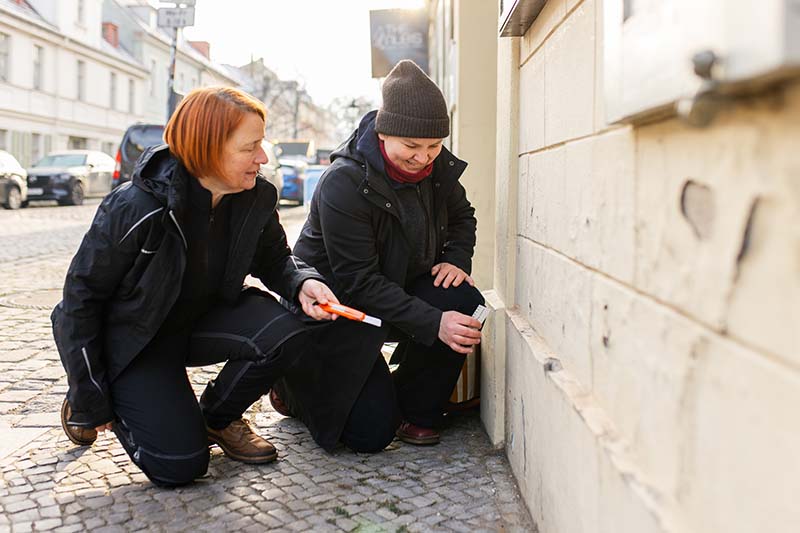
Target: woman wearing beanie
393 233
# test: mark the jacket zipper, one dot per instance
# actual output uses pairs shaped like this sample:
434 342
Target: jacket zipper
427 219
183 237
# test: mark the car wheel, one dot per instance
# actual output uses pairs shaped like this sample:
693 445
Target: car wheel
75 195
13 199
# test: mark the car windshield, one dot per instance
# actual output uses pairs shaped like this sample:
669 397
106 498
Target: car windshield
141 138
62 160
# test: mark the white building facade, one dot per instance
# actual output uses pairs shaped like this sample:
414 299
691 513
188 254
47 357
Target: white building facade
61 85
641 368
139 35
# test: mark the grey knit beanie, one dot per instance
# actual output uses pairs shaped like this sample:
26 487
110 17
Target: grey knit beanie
413 106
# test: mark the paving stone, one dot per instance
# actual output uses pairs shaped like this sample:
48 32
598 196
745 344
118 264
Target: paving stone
47 524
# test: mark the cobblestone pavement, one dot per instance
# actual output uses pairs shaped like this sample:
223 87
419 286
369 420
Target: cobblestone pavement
48 484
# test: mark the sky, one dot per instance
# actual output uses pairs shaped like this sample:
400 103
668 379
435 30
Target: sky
325 44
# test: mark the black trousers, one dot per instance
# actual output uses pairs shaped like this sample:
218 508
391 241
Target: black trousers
421 385
158 418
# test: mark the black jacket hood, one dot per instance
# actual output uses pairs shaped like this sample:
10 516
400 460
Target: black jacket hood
155 172
350 148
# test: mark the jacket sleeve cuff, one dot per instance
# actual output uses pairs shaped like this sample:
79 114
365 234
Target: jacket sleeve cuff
430 332
305 277
460 260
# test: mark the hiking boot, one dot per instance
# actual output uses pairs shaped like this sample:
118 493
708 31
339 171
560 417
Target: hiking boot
413 434
240 443
277 404
78 435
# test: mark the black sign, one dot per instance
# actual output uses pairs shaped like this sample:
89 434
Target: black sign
398 34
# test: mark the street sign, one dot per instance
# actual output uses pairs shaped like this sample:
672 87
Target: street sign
175 17
398 34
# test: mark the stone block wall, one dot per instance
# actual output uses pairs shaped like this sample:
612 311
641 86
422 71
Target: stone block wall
651 309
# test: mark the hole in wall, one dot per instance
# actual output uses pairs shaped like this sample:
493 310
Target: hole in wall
697 207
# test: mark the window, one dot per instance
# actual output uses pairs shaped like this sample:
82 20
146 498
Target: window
76 143
36 147
81 12
112 91
5 45
3 139
38 66
81 81
153 71
108 148
131 96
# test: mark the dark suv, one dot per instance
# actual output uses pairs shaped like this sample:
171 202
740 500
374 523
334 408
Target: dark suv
136 140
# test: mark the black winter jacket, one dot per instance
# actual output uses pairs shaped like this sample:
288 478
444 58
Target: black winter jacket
127 274
355 237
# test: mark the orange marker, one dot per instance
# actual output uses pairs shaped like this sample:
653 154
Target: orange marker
349 312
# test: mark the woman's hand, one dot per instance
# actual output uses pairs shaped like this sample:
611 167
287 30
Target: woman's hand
101 428
313 291
459 332
447 274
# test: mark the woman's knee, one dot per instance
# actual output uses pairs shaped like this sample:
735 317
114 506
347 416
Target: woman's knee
161 465
464 299
168 471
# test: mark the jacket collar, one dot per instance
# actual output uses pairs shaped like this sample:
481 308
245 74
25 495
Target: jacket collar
163 176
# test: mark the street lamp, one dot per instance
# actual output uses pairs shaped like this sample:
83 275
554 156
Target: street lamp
174 18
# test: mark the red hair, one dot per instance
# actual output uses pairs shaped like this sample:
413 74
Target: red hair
204 120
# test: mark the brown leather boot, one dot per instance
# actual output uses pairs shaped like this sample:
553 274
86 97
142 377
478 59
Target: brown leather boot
78 435
240 443
413 434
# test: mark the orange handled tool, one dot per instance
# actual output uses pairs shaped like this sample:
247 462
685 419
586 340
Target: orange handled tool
349 312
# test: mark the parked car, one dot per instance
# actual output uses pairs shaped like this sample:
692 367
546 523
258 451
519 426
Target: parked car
313 174
69 176
272 169
136 140
13 182
301 149
294 173
323 156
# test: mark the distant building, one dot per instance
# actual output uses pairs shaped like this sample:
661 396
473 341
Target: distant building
76 74
61 84
140 37
292 112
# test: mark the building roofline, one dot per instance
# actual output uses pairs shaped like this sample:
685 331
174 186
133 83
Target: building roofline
42 24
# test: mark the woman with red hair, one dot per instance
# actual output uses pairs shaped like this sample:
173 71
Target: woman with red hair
157 285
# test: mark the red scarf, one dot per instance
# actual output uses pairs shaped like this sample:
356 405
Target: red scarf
400 175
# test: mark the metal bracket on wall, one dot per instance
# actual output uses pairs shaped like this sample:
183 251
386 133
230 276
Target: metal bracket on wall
700 109
716 93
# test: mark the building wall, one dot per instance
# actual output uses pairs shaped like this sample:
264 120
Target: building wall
643 368
464 63
33 122
150 46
